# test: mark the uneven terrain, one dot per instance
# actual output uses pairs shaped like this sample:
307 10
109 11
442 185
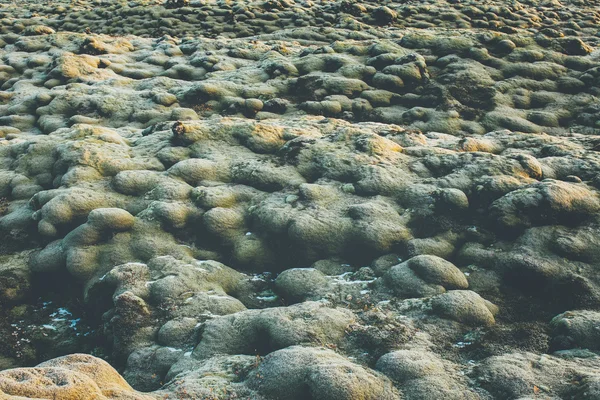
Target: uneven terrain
300 200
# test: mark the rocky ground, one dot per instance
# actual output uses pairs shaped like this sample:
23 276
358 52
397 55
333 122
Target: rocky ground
300 200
